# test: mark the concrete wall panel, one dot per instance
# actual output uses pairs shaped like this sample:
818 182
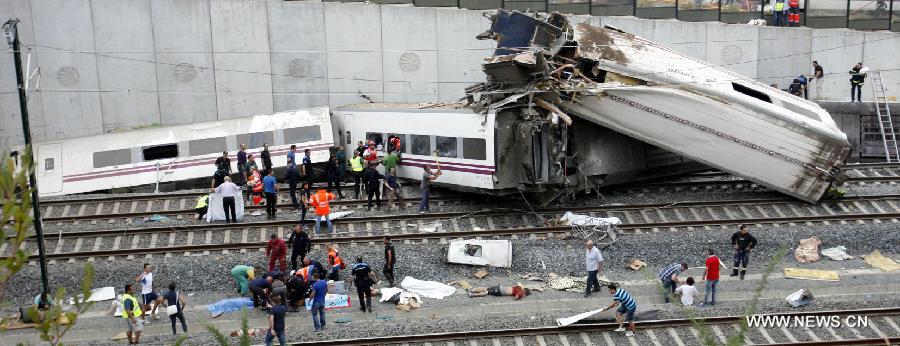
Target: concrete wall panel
640 27
778 65
410 46
10 117
354 52
298 58
881 52
733 47
683 37
837 50
459 61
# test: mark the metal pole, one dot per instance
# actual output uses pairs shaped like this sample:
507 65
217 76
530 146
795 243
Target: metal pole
12 37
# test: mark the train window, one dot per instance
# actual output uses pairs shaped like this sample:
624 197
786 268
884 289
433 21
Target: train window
402 141
112 158
374 137
446 146
751 92
49 164
297 135
158 152
207 146
421 145
349 140
474 149
256 139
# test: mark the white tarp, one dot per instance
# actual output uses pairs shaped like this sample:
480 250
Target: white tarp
215 212
495 253
585 220
837 253
99 295
429 289
562 322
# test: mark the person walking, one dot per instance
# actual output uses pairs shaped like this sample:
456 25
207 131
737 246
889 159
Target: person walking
242 274
229 192
277 312
291 156
743 242
131 309
321 202
594 266
270 187
425 187
292 177
175 307
857 79
307 166
317 294
300 245
266 159
242 165
818 75
276 250
148 293
392 184
390 259
625 312
711 276
362 279
333 175
669 278
356 164
373 184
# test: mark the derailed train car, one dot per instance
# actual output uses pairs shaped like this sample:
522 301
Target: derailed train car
556 75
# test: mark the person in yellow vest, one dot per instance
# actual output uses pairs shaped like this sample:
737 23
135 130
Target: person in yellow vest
202 206
356 164
321 201
131 309
778 10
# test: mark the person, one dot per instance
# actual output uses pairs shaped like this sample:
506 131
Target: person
292 177
803 86
131 309
279 289
229 192
743 242
259 288
300 245
42 302
356 164
333 175
795 88
304 199
317 294
256 185
314 267
336 263
223 163
390 258
669 278
321 202
307 166
174 298
276 250
794 12
394 144
241 274
370 154
242 165
341 157
277 312
218 178
778 10
518 291
711 276
270 187
251 163
266 159
818 74
594 265
373 183
360 148
390 161
148 294
424 186
362 279
393 189
687 291
297 288
202 206
857 79
627 307
291 160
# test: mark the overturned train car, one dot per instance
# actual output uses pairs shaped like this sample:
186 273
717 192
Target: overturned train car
558 77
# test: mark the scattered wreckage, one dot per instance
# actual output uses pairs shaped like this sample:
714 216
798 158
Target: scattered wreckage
494 253
575 88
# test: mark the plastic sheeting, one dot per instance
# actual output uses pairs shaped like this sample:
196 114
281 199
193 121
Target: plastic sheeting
585 220
877 260
428 289
808 250
837 253
229 305
215 212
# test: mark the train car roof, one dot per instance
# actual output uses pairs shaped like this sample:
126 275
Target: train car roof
411 106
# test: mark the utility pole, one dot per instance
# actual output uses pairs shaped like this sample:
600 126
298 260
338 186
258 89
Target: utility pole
10 31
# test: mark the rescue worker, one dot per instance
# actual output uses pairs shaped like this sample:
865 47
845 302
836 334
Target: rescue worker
356 165
795 88
778 10
307 166
373 183
362 279
390 258
333 175
242 165
425 187
266 159
394 143
256 185
131 309
223 163
794 12
292 177
260 288
390 162
314 267
321 202
241 273
371 153
202 206
818 74
341 157
857 79
360 148
336 263
297 287
276 250
300 245
743 242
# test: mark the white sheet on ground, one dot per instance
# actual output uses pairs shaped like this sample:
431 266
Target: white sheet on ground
562 322
99 295
837 253
429 289
585 220
215 212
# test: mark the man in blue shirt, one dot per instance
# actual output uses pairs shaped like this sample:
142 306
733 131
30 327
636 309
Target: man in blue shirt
626 309
291 162
270 187
276 321
259 287
317 294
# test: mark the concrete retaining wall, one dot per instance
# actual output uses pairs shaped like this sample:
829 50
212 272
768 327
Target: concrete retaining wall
111 65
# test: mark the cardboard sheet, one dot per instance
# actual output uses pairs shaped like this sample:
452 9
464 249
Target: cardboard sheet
877 260
811 274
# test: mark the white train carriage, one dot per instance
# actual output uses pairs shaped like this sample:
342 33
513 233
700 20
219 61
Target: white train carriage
175 153
449 135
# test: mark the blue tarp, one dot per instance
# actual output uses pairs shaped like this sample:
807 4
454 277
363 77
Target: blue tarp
229 305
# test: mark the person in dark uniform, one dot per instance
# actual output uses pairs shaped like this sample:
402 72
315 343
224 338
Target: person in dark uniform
363 280
373 182
333 175
857 79
297 290
390 259
743 242
300 245
266 159
292 177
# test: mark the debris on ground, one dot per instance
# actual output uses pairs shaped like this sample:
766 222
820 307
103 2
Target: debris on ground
494 253
428 289
432 228
573 284
877 260
837 253
332 301
808 250
602 230
480 274
531 277
800 298
157 218
465 284
402 299
343 320
811 274
251 332
636 264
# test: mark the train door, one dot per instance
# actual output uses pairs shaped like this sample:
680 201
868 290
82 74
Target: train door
49 168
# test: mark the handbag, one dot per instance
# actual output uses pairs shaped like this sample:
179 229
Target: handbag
172 309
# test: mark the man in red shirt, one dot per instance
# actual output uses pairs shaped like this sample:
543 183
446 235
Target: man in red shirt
276 249
711 275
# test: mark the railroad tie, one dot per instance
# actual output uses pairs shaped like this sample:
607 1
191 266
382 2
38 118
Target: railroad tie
765 335
66 210
587 340
226 240
747 340
787 333
78 242
653 337
208 241
812 335
152 245
835 335
875 328
190 241
887 319
244 238
719 333
675 336
171 243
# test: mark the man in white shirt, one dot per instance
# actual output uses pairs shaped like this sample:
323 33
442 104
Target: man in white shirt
687 292
594 264
148 296
229 191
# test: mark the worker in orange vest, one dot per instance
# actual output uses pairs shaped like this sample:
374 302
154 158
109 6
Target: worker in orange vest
334 259
793 12
321 202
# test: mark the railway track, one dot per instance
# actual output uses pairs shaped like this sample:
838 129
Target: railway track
202 238
880 328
